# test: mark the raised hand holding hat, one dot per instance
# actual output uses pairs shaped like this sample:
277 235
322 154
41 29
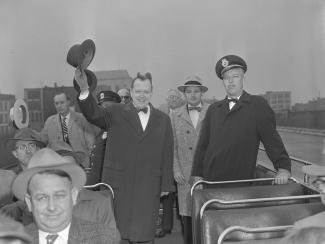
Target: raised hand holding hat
81 79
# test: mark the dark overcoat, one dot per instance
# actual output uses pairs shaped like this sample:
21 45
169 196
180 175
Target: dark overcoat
138 164
97 159
229 140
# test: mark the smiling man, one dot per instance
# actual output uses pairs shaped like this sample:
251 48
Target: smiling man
233 129
139 156
50 186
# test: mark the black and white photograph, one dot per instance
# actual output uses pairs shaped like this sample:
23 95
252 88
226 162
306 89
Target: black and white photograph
162 121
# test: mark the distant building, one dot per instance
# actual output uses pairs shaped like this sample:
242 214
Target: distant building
40 101
278 100
112 80
6 102
313 105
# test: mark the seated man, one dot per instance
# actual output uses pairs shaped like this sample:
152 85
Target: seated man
319 183
50 186
92 206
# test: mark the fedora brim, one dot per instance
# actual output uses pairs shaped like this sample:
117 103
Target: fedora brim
73 55
20 184
10 142
86 53
91 80
183 87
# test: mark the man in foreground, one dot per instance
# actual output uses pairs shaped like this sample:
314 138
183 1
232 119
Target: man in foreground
50 187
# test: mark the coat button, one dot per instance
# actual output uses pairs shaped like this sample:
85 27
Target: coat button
188 132
190 148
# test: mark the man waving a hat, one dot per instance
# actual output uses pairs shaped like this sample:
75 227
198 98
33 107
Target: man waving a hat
233 129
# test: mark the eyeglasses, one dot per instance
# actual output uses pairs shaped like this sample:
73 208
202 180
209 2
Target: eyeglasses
23 147
125 97
319 184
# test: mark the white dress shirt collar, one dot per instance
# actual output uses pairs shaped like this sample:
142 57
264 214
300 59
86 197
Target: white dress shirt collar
63 236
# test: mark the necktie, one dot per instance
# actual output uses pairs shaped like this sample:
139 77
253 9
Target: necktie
234 100
194 108
145 110
50 239
65 130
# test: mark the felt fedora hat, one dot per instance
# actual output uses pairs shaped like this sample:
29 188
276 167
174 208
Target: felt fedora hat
64 149
25 134
81 55
19 114
91 80
192 80
46 159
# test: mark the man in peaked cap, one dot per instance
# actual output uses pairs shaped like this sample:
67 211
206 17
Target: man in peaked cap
233 129
50 187
97 155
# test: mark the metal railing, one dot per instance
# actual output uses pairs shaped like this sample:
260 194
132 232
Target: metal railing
296 160
245 229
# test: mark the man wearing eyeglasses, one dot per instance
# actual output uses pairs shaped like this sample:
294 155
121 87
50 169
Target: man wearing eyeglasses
319 183
23 146
125 95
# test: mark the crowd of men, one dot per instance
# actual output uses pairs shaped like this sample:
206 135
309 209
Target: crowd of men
142 152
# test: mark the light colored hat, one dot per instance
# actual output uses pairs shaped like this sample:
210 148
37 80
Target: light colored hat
314 170
46 159
13 229
192 80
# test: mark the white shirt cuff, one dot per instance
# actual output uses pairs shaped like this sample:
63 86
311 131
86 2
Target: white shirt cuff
83 95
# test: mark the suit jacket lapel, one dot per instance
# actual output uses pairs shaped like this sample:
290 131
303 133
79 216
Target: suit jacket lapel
71 120
202 114
130 115
244 98
183 113
75 234
32 230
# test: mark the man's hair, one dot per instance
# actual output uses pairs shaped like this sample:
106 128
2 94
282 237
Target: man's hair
60 93
56 172
146 76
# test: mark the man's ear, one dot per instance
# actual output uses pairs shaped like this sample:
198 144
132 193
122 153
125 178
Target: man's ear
74 195
14 153
28 202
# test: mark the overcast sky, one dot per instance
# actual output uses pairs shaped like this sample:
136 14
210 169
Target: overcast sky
281 40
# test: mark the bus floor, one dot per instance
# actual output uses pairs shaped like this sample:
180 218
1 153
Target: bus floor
176 236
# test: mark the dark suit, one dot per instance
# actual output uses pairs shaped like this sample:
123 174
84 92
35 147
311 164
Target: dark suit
138 164
229 140
81 232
